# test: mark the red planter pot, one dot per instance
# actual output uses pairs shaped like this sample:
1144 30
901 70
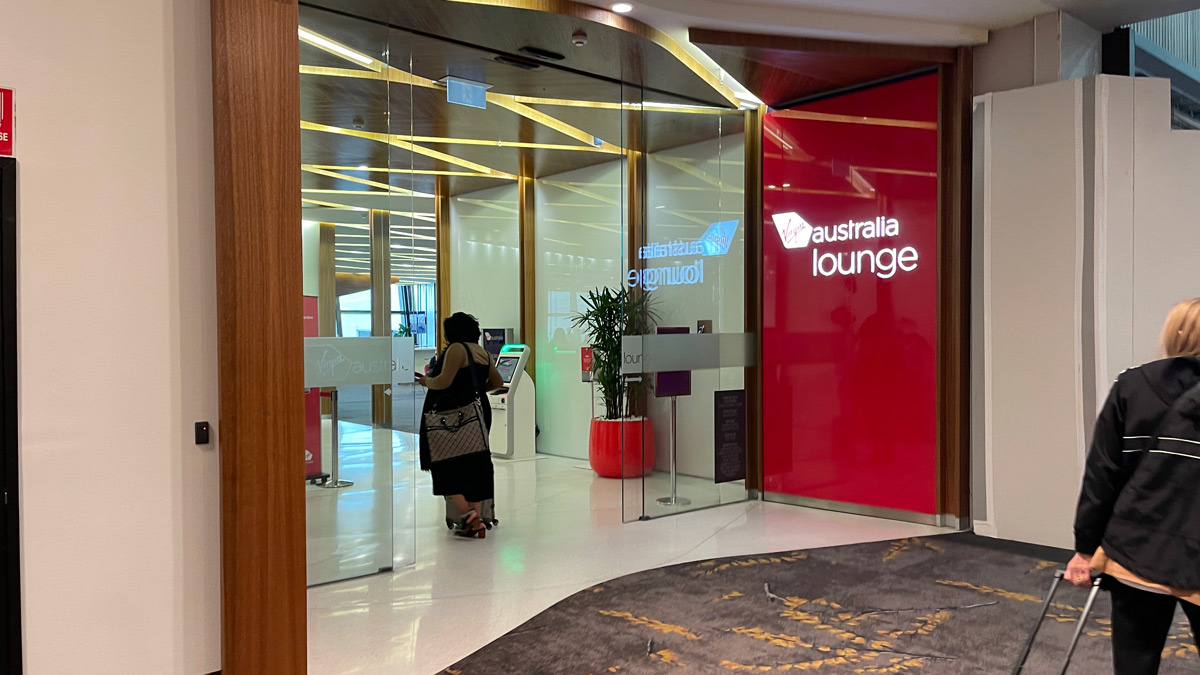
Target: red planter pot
614 445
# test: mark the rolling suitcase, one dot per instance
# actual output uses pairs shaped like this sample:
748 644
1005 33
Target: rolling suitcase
1087 609
488 515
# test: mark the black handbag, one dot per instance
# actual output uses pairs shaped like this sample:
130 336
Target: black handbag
461 431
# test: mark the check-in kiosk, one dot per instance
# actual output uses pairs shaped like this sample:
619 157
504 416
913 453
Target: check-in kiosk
513 433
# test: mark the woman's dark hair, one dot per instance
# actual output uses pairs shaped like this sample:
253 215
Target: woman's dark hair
461 327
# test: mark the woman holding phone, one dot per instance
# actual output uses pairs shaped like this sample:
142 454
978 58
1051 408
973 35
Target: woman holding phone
463 372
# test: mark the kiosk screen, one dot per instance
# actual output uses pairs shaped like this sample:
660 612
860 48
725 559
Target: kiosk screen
507 365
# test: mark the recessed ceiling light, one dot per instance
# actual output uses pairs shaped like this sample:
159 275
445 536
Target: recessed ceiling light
787 185
622 8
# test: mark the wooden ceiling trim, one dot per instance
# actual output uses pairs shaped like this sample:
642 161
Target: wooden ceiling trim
717 38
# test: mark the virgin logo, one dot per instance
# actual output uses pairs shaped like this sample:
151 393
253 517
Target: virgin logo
794 231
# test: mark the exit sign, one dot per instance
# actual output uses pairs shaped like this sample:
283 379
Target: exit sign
6 123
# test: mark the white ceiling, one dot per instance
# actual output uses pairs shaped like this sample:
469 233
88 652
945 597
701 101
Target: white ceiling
931 22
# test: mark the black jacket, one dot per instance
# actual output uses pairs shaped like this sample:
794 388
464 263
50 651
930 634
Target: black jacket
1141 491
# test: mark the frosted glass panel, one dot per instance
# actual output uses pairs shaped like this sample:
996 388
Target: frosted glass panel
485 256
578 246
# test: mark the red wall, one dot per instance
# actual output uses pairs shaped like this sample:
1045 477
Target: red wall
849 352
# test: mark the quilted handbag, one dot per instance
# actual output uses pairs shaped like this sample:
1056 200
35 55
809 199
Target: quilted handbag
457 432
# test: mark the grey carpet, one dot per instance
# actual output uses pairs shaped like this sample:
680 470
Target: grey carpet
954 604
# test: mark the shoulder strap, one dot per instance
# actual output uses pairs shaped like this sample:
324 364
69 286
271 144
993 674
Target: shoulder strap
1186 398
471 369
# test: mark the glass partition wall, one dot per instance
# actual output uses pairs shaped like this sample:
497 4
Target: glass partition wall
688 346
440 178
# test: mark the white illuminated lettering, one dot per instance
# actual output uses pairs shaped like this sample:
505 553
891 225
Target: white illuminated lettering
885 263
652 278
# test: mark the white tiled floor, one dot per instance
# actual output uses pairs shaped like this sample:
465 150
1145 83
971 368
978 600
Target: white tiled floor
561 531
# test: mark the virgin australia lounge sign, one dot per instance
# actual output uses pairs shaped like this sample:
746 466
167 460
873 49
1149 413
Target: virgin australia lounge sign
715 242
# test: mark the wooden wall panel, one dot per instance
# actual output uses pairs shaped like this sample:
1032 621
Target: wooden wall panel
442 221
381 305
256 117
954 289
528 244
754 296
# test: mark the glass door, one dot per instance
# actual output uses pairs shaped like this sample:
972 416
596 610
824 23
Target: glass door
356 458
687 344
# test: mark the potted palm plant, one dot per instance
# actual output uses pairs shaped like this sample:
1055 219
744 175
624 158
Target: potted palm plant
621 442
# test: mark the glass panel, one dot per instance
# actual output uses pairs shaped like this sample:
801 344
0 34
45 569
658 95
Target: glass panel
346 207
579 216
412 259
689 272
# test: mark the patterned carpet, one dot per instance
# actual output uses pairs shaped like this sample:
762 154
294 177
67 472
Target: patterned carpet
953 604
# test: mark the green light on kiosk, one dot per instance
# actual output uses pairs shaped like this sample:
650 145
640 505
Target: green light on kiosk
511 348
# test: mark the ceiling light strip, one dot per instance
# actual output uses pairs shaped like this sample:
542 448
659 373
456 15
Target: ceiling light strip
402 192
507 102
338 49
419 172
405 145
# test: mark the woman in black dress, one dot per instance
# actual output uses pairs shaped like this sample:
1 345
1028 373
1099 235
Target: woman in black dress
467 480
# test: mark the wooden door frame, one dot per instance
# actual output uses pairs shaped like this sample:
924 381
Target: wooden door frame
256 122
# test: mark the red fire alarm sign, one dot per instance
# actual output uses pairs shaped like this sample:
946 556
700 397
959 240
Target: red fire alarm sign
6 123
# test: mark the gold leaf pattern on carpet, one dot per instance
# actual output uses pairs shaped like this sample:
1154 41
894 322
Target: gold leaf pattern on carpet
668 656
841 657
748 562
897 665
906 545
922 626
652 624
1008 595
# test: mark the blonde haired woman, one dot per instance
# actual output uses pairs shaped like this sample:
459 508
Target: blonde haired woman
1138 521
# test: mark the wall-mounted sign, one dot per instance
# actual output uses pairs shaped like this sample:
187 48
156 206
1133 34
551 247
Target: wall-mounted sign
729 427
715 241
795 233
6 122
587 357
674 382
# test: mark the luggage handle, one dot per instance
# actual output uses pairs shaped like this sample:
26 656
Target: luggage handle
1087 610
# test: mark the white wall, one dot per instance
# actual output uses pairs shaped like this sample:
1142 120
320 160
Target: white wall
1047 48
1165 204
1031 238
117 311
1082 259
